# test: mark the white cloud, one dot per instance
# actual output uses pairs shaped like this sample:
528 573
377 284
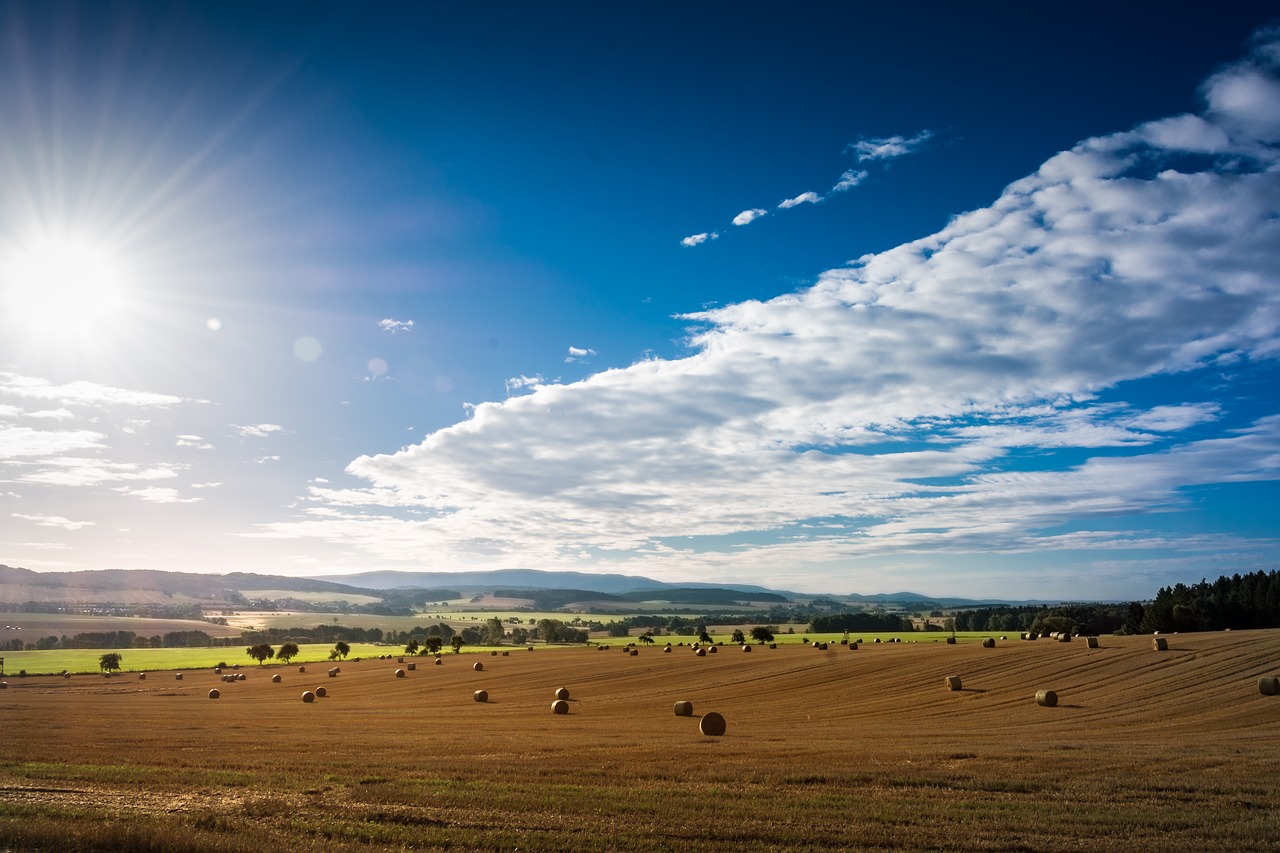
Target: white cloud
878 413
848 181
888 147
699 239
746 217
79 471
52 521
83 393
157 494
17 441
193 441
257 430
578 354
394 326
263 460
803 198
520 383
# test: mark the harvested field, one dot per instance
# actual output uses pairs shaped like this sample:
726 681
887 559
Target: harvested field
823 751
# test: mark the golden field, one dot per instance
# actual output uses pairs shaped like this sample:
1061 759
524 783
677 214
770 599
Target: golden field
840 749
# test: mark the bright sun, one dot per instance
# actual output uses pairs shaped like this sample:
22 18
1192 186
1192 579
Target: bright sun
62 286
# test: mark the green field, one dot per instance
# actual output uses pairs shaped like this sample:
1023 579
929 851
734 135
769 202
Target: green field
144 660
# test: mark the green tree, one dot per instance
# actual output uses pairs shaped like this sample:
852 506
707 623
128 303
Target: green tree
260 652
411 647
762 634
704 637
738 638
341 649
618 628
287 652
433 643
110 662
494 632
646 638
456 642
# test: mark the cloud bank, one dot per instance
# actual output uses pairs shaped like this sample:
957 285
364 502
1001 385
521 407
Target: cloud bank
869 420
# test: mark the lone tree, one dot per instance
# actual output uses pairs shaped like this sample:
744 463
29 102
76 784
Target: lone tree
341 649
762 634
434 643
456 642
646 638
260 652
287 652
411 647
110 662
738 637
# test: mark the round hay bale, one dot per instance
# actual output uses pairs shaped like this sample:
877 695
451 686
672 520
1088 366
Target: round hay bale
684 709
333 673
559 707
530 648
480 696
4 685
398 660
275 679
413 667
477 666
877 639
240 676
142 676
1269 686
439 661
399 673
322 692
66 674
493 654
951 641
562 693
177 676
217 670
302 669
1064 637
666 650
506 654
1047 698
712 650
1091 642
308 696
775 645
853 646
745 647
1160 644
702 653
214 694
711 724
635 652
953 682
989 643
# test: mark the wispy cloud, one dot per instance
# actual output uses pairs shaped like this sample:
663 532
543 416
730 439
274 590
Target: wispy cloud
877 414
83 393
52 521
699 239
577 354
157 495
803 198
394 326
888 147
520 383
746 217
193 441
257 430
848 181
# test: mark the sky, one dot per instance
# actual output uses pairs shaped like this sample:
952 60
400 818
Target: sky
976 300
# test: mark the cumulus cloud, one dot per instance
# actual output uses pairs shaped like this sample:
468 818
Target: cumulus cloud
157 495
394 326
746 217
519 383
803 198
879 413
699 239
888 147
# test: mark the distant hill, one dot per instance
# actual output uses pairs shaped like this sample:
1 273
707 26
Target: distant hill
472 583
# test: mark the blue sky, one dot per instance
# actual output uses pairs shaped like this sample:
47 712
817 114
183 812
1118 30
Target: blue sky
967 301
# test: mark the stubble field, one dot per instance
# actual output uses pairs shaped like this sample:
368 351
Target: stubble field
824 750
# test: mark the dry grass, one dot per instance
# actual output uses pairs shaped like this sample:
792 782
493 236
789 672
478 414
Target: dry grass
848 752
